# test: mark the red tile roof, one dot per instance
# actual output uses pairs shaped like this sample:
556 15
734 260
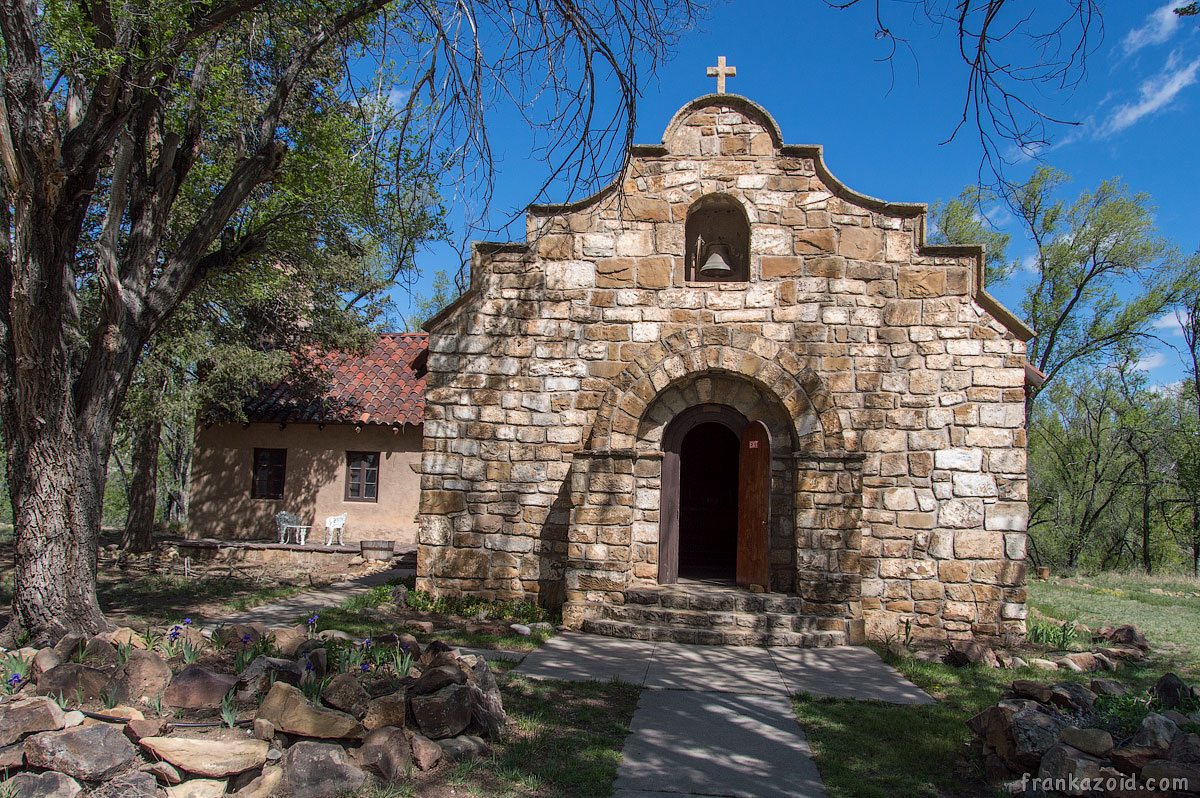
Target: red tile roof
384 386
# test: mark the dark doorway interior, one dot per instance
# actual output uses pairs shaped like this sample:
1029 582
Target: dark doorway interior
708 503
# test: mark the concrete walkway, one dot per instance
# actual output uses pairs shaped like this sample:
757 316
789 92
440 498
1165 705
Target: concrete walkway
293 609
718 721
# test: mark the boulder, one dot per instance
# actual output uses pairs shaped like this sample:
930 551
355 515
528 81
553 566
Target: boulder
46 659
124 636
425 752
264 729
1110 687
27 716
1127 636
1072 696
144 675
1032 690
320 770
434 679
1185 749
70 646
463 747
211 758
265 786
1069 767
197 788
387 710
1152 740
971 652
386 752
41 785
196 687
236 636
445 713
1083 660
1043 664
1171 690
73 682
344 692
259 675
1163 771
137 729
315 663
1030 735
99 653
89 753
12 757
288 641
1096 742
289 711
487 708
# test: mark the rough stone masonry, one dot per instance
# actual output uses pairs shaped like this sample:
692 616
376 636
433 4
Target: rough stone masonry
891 382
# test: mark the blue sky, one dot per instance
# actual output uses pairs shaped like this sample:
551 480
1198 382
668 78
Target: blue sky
817 70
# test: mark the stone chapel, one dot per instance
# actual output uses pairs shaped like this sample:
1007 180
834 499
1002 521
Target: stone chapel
730 400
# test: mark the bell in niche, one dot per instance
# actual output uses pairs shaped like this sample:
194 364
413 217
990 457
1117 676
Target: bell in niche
717 259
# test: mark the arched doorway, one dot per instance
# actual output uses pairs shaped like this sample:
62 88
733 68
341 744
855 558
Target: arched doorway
715 511
708 503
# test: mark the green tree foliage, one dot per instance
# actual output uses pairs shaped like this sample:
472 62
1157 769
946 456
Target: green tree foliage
962 221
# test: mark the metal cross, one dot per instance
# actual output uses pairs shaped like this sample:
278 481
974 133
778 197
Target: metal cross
720 72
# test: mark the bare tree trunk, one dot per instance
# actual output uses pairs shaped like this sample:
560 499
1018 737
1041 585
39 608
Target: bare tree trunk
143 490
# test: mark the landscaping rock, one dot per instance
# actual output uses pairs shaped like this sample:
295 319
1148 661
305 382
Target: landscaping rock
1064 764
137 729
425 752
1185 749
164 772
11 757
1164 771
1033 690
287 641
434 679
1044 664
289 711
1096 742
1126 636
259 675
1109 687
463 747
1152 740
387 752
1032 733
264 729
1171 690
315 664
41 785
320 770
971 652
124 636
69 646
144 675
211 758
445 713
197 788
236 636
46 659
521 629
387 710
27 716
99 653
73 682
1083 660
196 687
344 692
265 786
1072 696
90 753
487 707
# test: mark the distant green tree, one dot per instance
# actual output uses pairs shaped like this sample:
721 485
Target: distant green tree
962 220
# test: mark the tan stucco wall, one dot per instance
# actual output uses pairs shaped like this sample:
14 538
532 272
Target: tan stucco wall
314 487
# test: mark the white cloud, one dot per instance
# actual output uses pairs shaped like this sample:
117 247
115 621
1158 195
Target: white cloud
1156 93
1158 26
397 97
1150 362
1169 323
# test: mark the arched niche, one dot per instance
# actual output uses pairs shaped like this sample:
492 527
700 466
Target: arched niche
717 220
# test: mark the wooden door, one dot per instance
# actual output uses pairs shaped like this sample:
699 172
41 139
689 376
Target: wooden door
754 505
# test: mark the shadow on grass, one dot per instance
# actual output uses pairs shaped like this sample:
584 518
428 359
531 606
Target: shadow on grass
563 739
161 598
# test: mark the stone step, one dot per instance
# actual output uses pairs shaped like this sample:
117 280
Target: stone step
648 615
712 637
713 599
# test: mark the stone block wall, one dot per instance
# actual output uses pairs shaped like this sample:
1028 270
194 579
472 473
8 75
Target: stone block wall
895 385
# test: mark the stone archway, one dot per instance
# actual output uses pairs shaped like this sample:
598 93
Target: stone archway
694 353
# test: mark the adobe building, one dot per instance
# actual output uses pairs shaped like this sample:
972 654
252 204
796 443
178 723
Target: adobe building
730 400
354 449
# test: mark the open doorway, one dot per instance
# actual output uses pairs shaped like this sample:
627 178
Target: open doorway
708 503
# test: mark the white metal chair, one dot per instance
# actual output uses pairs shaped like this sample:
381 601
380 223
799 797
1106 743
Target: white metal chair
290 523
334 525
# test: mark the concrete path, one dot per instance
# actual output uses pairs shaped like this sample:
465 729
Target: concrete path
293 609
715 720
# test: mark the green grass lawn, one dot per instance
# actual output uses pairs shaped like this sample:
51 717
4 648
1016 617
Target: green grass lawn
876 750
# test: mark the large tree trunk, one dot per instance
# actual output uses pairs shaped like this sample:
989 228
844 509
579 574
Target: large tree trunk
143 490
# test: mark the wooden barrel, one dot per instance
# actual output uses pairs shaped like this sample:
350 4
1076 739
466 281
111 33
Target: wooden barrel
377 549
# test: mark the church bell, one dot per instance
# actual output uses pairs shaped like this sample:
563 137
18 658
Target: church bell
717 258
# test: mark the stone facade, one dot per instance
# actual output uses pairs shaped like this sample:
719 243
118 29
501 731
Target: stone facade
892 385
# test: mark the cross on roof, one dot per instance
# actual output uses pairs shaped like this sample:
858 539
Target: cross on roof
720 72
